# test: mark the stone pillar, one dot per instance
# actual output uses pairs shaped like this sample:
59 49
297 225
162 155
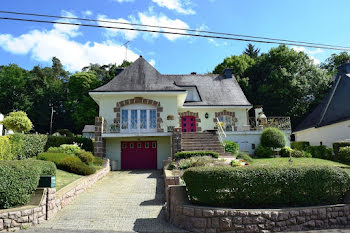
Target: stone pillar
99 146
176 141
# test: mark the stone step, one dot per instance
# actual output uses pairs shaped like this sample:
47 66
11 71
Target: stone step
203 148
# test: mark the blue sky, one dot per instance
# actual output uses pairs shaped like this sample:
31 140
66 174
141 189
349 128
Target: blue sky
29 44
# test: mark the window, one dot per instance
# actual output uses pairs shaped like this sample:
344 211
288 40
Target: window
146 145
124 145
227 120
131 145
134 119
154 145
125 119
139 145
152 119
138 118
192 94
143 119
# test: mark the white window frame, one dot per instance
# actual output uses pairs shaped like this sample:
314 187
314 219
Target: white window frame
138 129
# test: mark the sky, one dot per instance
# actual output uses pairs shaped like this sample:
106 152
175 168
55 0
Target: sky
28 43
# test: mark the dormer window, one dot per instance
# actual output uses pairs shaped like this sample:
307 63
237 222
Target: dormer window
192 94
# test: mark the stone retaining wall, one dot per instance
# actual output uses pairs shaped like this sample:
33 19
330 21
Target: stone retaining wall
46 202
209 219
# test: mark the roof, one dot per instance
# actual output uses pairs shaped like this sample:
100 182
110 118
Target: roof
89 129
214 89
335 107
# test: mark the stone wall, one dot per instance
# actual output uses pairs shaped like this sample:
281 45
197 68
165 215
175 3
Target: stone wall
169 177
100 144
209 219
46 202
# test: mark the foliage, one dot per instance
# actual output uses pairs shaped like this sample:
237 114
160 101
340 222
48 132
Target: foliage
195 161
56 141
251 51
331 64
5 149
98 161
259 187
263 152
344 154
285 151
338 145
321 152
53 157
232 147
27 145
188 154
75 165
300 145
300 154
65 132
245 157
19 178
17 121
236 163
273 137
85 156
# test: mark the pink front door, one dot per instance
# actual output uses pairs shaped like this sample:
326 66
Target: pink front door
188 124
139 155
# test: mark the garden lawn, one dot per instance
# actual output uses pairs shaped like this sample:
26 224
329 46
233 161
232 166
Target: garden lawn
297 161
64 178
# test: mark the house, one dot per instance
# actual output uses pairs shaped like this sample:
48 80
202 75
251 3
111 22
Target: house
330 120
89 131
145 117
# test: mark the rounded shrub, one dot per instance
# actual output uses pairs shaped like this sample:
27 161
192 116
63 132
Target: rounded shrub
232 147
286 151
344 153
263 152
75 165
266 187
273 137
85 156
18 121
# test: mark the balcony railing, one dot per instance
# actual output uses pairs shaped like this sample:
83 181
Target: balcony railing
115 128
282 123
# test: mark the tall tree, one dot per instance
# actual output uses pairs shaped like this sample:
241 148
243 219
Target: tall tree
334 61
251 51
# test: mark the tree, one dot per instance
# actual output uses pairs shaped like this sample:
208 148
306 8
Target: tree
18 122
251 51
334 61
273 138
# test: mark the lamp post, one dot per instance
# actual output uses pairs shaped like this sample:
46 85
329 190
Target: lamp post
51 119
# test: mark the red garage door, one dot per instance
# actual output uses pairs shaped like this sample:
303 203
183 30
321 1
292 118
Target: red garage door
139 155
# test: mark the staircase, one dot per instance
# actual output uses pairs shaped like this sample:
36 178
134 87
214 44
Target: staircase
201 141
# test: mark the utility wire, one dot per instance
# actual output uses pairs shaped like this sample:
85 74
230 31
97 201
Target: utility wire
173 28
173 33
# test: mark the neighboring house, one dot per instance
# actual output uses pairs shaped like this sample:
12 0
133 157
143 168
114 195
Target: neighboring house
1 126
330 121
89 131
145 117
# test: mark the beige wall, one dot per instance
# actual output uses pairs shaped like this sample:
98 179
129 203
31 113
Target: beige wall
113 148
326 134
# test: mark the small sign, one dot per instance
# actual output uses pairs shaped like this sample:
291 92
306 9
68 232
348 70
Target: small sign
47 182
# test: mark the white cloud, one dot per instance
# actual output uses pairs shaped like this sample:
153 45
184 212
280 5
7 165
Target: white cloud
177 5
43 45
309 52
70 30
162 20
152 62
128 34
87 13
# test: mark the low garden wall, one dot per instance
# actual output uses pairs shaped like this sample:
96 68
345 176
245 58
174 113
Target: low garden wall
194 218
46 202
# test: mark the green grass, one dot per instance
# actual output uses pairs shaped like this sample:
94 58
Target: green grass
296 161
64 178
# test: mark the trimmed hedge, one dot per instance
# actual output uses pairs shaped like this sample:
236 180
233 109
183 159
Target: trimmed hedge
53 157
74 165
273 137
85 156
188 154
231 147
344 154
299 145
285 151
19 178
338 145
66 149
56 141
261 187
321 152
27 145
263 152
5 149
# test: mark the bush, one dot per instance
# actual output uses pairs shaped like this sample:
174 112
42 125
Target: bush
65 132
338 145
66 149
245 157
263 152
235 163
344 154
27 145
195 161
75 165
297 153
18 122
5 149
188 154
260 187
53 157
56 141
321 152
85 156
299 145
273 137
98 161
18 180
231 147
286 151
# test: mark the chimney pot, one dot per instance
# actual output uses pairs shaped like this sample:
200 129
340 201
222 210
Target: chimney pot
228 73
193 73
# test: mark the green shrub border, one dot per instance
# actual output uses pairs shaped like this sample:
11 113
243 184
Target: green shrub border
188 154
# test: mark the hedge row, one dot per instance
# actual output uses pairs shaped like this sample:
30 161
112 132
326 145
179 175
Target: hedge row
299 145
27 145
338 145
321 152
260 187
56 141
5 149
19 178
188 154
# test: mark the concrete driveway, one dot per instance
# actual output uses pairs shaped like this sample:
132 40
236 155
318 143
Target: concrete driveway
124 201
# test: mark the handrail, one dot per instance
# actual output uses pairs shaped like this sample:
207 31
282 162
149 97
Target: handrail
221 132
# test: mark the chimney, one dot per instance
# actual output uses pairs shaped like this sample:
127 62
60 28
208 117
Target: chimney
193 73
228 73
119 70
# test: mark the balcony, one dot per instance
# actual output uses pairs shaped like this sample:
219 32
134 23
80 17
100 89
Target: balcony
282 123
